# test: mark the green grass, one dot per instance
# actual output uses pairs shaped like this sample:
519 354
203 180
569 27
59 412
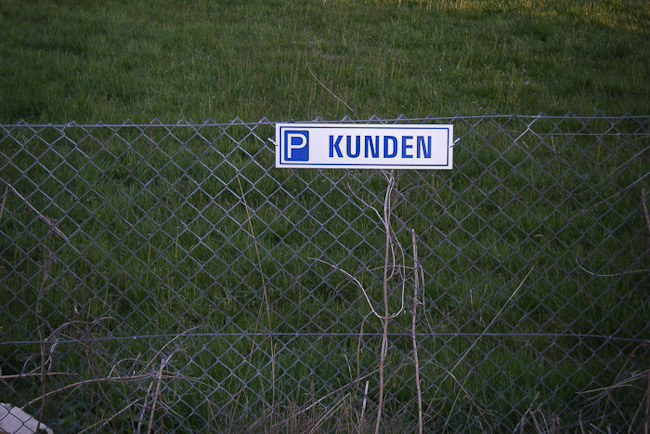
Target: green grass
164 235
111 61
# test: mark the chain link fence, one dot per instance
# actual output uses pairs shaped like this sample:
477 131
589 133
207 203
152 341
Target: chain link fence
166 277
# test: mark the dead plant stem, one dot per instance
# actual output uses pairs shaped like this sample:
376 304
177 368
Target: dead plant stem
265 295
645 211
47 220
90 381
333 409
103 422
450 372
497 316
363 290
416 289
385 319
340 389
4 197
363 408
39 325
646 422
329 91
156 394
538 430
34 374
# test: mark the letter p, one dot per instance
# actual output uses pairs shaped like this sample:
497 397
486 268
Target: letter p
296 145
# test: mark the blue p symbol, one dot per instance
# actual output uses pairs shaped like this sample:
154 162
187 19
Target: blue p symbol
296 145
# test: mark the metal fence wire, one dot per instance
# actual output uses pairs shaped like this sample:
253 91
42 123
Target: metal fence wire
166 277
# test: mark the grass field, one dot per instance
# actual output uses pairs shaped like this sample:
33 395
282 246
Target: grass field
197 234
110 61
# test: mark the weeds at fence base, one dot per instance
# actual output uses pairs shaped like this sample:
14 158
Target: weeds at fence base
151 310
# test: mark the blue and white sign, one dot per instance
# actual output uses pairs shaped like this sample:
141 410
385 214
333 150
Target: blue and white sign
364 146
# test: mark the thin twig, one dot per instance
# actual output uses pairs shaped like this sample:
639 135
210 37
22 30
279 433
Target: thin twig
555 425
381 219
163 363
646 423
451 410
616 383
35 374
596 428
532 416
94 380
329 413
522 422
333 392
623 383
416 288
103 422
47 220
608 275
363 408
180 335
496 316
387 205
384 340
47 261
265 295
363 290
363 322
4 197
328 90
645 211
144 408
78 322
147 366
462 389
629 186
396 268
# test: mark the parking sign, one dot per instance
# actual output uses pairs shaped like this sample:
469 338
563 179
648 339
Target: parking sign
364 146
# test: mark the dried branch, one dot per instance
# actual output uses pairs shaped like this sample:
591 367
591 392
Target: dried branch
265 296
538 430
627 382
646 422
384 340
363 408
329 91
645 211
4 197
334 392
416 288
47 261
34 374
608 275
103 422
522 421
78 322
450 372
95 380
363 290
363 322
144 408
381 219
163 363
496 316
47 220
329 413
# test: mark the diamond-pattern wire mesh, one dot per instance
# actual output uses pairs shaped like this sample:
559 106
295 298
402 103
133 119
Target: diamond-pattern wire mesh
167 276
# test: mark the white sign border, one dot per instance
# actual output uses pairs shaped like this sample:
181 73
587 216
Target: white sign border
296 165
